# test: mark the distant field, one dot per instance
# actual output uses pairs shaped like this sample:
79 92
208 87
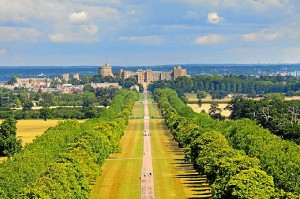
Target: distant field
27 130
206 108
192 98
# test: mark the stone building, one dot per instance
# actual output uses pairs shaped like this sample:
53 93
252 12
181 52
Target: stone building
65 77
76 76
105 70
151 76
33 82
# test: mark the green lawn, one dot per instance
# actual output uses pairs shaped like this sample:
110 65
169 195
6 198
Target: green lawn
138 109
121 172
173 178
153 110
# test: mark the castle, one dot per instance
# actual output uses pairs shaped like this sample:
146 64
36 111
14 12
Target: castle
144 76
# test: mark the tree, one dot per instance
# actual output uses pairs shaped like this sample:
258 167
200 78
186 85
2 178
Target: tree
27 105
199 102
17 102
215 111
89 99
201 94
45 113
252 183
274 97
8 141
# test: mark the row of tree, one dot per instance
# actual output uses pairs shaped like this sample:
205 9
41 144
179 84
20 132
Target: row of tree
65 159
219 86
241 159
55 113
23 98
282 118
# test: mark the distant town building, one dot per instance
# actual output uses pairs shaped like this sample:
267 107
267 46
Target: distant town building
105 70
33 82
76 76
65 77
105 85
151 76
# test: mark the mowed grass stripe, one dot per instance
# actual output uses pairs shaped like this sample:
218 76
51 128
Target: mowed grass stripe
173 178
121 172
138 110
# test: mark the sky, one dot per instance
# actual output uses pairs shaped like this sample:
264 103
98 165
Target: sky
150 32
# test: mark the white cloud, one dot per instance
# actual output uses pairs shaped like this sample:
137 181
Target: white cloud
209 39
213 18
61 37
150 40
261 36
18 34
89 29
78 17
2 52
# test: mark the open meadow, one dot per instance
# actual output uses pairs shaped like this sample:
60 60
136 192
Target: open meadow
206 108
28 130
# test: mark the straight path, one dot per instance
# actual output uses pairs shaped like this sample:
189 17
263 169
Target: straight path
147 186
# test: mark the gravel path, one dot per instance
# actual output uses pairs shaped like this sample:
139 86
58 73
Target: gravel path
147 185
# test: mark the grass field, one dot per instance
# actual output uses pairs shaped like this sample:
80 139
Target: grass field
121 172
192 98
27 130
173 178
138 110
153 110
206 108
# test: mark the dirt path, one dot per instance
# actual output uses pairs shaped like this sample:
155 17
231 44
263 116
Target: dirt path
147 186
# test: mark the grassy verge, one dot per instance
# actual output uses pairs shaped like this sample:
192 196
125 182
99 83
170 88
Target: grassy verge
173 178
138 109
153 110
121 172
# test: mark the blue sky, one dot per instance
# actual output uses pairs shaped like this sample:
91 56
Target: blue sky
153 32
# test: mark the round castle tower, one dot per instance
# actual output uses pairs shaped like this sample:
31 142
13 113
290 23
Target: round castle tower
105 70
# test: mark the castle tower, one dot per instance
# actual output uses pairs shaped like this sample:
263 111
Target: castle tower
105 70
76 76
141 76
148 75
178 71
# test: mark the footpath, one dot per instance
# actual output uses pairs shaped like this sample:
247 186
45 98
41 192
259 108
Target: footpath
147 185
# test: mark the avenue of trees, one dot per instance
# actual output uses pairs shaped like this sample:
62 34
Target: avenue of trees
218 87
282 118
67 158
239 158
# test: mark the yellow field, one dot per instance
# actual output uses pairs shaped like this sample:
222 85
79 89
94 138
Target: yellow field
192 97
206 108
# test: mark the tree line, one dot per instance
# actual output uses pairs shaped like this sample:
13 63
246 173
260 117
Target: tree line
219 87
240 158
282 118
66 159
